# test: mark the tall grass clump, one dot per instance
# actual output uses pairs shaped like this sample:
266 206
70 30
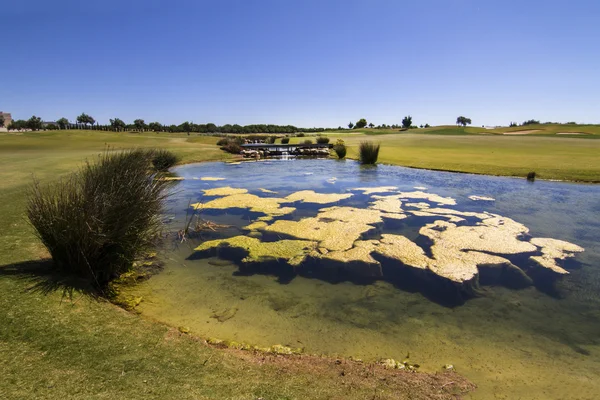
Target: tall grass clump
285 140
99 220
368 152
322 139
164 159
308 141
340 148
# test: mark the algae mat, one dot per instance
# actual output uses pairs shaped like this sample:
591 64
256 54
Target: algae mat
533 342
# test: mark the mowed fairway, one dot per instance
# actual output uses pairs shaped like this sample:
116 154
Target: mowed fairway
477 150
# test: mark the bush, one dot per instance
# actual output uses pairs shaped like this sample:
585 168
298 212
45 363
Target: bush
223 141
271 139
531 122
285 140
369 152
308 141
340 150
232 147
300 134
322 140
103 217
531 176
164 159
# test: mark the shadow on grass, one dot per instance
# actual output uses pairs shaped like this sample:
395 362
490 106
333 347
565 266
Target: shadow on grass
43 279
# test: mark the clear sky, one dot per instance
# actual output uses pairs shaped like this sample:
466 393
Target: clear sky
306 63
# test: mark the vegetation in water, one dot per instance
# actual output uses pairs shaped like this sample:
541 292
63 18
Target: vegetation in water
164 159
368 152
96 222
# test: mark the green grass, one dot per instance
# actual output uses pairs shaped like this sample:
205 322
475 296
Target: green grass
54 348
551 156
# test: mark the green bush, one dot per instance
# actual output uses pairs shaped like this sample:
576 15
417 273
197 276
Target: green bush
368 152
222 141
232 147
300 134
322 140
164 159
340 150
308 141
285 140
99 220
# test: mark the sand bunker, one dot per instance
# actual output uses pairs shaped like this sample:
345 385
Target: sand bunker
524 132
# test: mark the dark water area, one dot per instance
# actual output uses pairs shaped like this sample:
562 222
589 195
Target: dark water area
529 342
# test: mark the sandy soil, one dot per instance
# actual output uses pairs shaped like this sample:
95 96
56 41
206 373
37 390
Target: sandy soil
526 132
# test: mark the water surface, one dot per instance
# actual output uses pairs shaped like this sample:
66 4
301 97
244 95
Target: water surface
527 343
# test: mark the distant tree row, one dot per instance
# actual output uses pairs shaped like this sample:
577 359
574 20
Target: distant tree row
85 121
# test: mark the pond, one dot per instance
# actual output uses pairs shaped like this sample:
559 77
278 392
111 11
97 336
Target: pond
380 262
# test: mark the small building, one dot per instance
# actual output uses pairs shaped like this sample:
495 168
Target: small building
7 118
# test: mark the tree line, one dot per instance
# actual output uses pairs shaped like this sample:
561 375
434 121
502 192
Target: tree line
85 121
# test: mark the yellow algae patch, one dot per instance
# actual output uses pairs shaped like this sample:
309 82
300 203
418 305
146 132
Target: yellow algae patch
267 191
434 198
265 205
361 252
351 214
310 196
234 163
553 249
224 191
402 249
380 189
450 211
171 178
481 198
507 225
211 178
420 205
335 235
256 225
389 204
500 240
420 187
332 180
420 213
294 251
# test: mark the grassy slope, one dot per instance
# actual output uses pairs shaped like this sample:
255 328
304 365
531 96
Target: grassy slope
53 349
551 156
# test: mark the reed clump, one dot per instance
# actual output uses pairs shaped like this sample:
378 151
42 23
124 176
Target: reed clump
163 159
99 220
368 152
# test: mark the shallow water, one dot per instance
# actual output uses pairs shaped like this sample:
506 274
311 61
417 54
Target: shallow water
527 343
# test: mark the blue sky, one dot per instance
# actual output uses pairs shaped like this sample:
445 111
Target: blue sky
306 63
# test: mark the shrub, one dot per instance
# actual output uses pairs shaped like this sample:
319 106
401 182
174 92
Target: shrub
300 134
531 176
368 152
232 147
531 122
164 159
322 140
308 141
271 139
285 140
222 141
340 150
100 219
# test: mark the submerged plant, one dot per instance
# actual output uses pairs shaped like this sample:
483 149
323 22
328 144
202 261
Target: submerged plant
368 152
101 218
164 159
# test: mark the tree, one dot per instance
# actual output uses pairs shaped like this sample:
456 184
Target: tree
62 123
185 127
406 122
427 125
361 123
34 123
350 125
464 121
1 121
117 124
155 126
211 128
140 124
371 125
85 119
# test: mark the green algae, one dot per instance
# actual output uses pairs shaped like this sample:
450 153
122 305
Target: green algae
379 189
224 191
310 196
267 205
292 251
